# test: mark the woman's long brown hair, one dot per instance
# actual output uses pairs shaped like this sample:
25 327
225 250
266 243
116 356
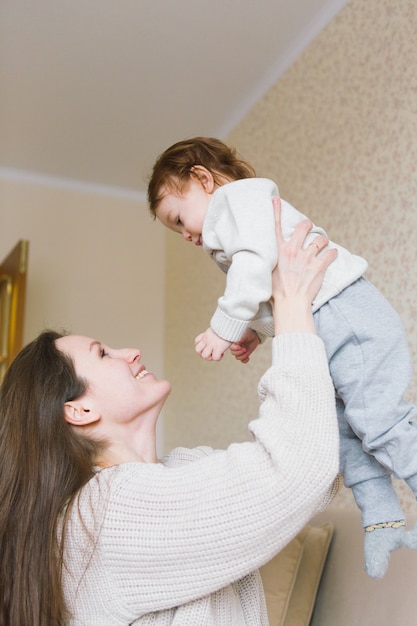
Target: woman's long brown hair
43 464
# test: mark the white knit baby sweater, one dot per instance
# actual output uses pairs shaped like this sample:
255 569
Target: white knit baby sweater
179 542
239 235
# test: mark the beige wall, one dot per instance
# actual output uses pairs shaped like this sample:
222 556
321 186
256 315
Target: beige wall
338 132
96 265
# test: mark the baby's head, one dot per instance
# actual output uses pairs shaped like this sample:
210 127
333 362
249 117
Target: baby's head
183 161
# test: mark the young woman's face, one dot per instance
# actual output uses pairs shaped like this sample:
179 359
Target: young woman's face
184 212
119 386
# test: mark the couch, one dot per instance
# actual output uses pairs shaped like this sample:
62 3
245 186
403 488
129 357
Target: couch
319 578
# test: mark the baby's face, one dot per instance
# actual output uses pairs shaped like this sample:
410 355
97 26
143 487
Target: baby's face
184 211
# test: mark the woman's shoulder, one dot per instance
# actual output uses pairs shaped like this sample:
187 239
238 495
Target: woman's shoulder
112 485
181 456
105 480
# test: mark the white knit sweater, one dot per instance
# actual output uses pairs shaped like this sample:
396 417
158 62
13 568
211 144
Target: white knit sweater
239 235
179 542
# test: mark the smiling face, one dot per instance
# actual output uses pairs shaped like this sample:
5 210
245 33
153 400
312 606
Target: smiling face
119 388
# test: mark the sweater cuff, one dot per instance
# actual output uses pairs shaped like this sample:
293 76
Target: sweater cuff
227 327
299 350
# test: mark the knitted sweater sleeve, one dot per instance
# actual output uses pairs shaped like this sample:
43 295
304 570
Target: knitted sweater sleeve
240 223
172 534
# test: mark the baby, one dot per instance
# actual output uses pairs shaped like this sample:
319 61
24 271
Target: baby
201 189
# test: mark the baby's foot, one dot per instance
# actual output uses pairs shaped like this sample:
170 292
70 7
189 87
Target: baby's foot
380 540
410 538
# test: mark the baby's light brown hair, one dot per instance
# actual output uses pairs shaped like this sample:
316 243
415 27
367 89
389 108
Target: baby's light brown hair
174 167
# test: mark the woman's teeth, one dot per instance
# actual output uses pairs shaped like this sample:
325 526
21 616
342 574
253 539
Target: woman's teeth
141 374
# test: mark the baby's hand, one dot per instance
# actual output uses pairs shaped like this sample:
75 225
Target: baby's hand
210 346
242 349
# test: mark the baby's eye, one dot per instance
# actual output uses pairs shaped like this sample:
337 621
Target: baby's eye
103 353
179 222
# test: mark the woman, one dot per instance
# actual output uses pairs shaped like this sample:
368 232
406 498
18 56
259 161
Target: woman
95 530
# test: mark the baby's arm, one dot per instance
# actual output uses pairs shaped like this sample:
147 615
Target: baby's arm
210 346
245 232
251 246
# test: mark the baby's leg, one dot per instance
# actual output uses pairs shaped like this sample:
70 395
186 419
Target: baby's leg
369 363
375 497
371 369
380 538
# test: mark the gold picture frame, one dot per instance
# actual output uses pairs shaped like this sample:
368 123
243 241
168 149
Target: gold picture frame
13 272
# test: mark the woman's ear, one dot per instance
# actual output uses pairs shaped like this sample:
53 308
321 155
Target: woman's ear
78 414
205 178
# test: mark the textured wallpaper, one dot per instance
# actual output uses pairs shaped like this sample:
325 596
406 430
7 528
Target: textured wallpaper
338 133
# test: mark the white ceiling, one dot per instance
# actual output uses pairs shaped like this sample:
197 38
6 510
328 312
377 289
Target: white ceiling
91 91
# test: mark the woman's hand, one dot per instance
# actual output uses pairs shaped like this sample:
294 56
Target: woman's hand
298 276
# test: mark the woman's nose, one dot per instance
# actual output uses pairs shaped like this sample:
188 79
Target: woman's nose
128 354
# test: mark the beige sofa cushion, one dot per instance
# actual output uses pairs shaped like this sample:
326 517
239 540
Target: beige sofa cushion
292 577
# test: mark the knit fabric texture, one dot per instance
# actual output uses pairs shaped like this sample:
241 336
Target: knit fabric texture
179 542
